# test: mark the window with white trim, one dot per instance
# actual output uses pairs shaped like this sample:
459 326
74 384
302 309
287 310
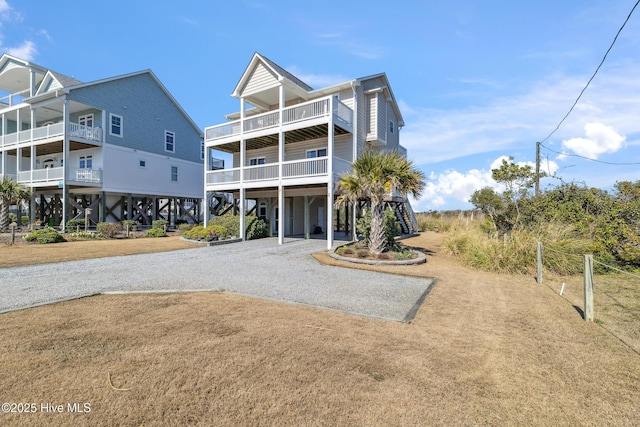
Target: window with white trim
169 141
318 152
202 149
256 161
391 126
115 125
174 174
86 162
86 120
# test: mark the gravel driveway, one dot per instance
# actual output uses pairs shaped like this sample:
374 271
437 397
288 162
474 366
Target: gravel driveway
259 268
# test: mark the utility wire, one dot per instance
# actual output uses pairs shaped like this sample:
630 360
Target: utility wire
594 74
588 158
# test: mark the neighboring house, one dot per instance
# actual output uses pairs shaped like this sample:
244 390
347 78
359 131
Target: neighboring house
290 143
112 149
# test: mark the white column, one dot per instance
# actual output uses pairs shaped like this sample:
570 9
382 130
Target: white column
18 151
281 214
65 169
306 218
243 226
32 83
281 142
243 152
330 141
205 201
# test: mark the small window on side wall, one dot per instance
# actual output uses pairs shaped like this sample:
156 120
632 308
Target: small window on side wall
142 163
391 127
115 125
174 174
169 141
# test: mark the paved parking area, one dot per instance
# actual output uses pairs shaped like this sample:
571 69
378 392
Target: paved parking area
259 268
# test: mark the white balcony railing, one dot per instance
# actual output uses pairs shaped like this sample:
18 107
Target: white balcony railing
223 176
86 132
291 169
41 175
261 172
306 167
14 98
297 113
47 132
52 131
86 175
56 175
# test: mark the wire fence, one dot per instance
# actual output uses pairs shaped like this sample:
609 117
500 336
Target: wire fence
610 298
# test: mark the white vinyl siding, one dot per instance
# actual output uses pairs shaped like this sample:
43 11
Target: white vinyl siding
261 79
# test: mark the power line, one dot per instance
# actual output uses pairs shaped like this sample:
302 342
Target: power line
588 158
592 77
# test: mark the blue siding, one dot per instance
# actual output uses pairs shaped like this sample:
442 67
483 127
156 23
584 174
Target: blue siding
146 113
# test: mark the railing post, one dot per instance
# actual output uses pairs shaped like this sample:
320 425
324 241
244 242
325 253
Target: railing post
539 275
588 288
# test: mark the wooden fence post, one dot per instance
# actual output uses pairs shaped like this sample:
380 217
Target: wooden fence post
539 275
588 288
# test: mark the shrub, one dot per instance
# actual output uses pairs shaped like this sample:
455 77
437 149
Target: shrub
73 224
83 235
108 229
257 228
128 224
44 235
185 226
200 233
230 222
156 232
13 218
363 253
25 221
160 223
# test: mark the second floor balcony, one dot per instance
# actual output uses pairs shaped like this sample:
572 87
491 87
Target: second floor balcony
53 132
307 170
55 176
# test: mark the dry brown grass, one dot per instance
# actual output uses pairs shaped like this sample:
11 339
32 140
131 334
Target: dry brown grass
484 349
23 253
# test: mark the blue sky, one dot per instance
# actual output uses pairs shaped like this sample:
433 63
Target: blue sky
476 80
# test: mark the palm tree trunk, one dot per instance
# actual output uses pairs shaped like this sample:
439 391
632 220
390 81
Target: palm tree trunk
4 214
376 235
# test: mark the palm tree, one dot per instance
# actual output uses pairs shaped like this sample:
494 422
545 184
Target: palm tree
10 192
373 176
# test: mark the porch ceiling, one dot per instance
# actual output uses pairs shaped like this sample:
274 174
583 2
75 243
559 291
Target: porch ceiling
54 148
271 140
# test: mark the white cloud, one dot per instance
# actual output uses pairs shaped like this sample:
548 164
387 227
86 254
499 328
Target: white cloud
26 51
455 188
599 139
451 184
316 80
